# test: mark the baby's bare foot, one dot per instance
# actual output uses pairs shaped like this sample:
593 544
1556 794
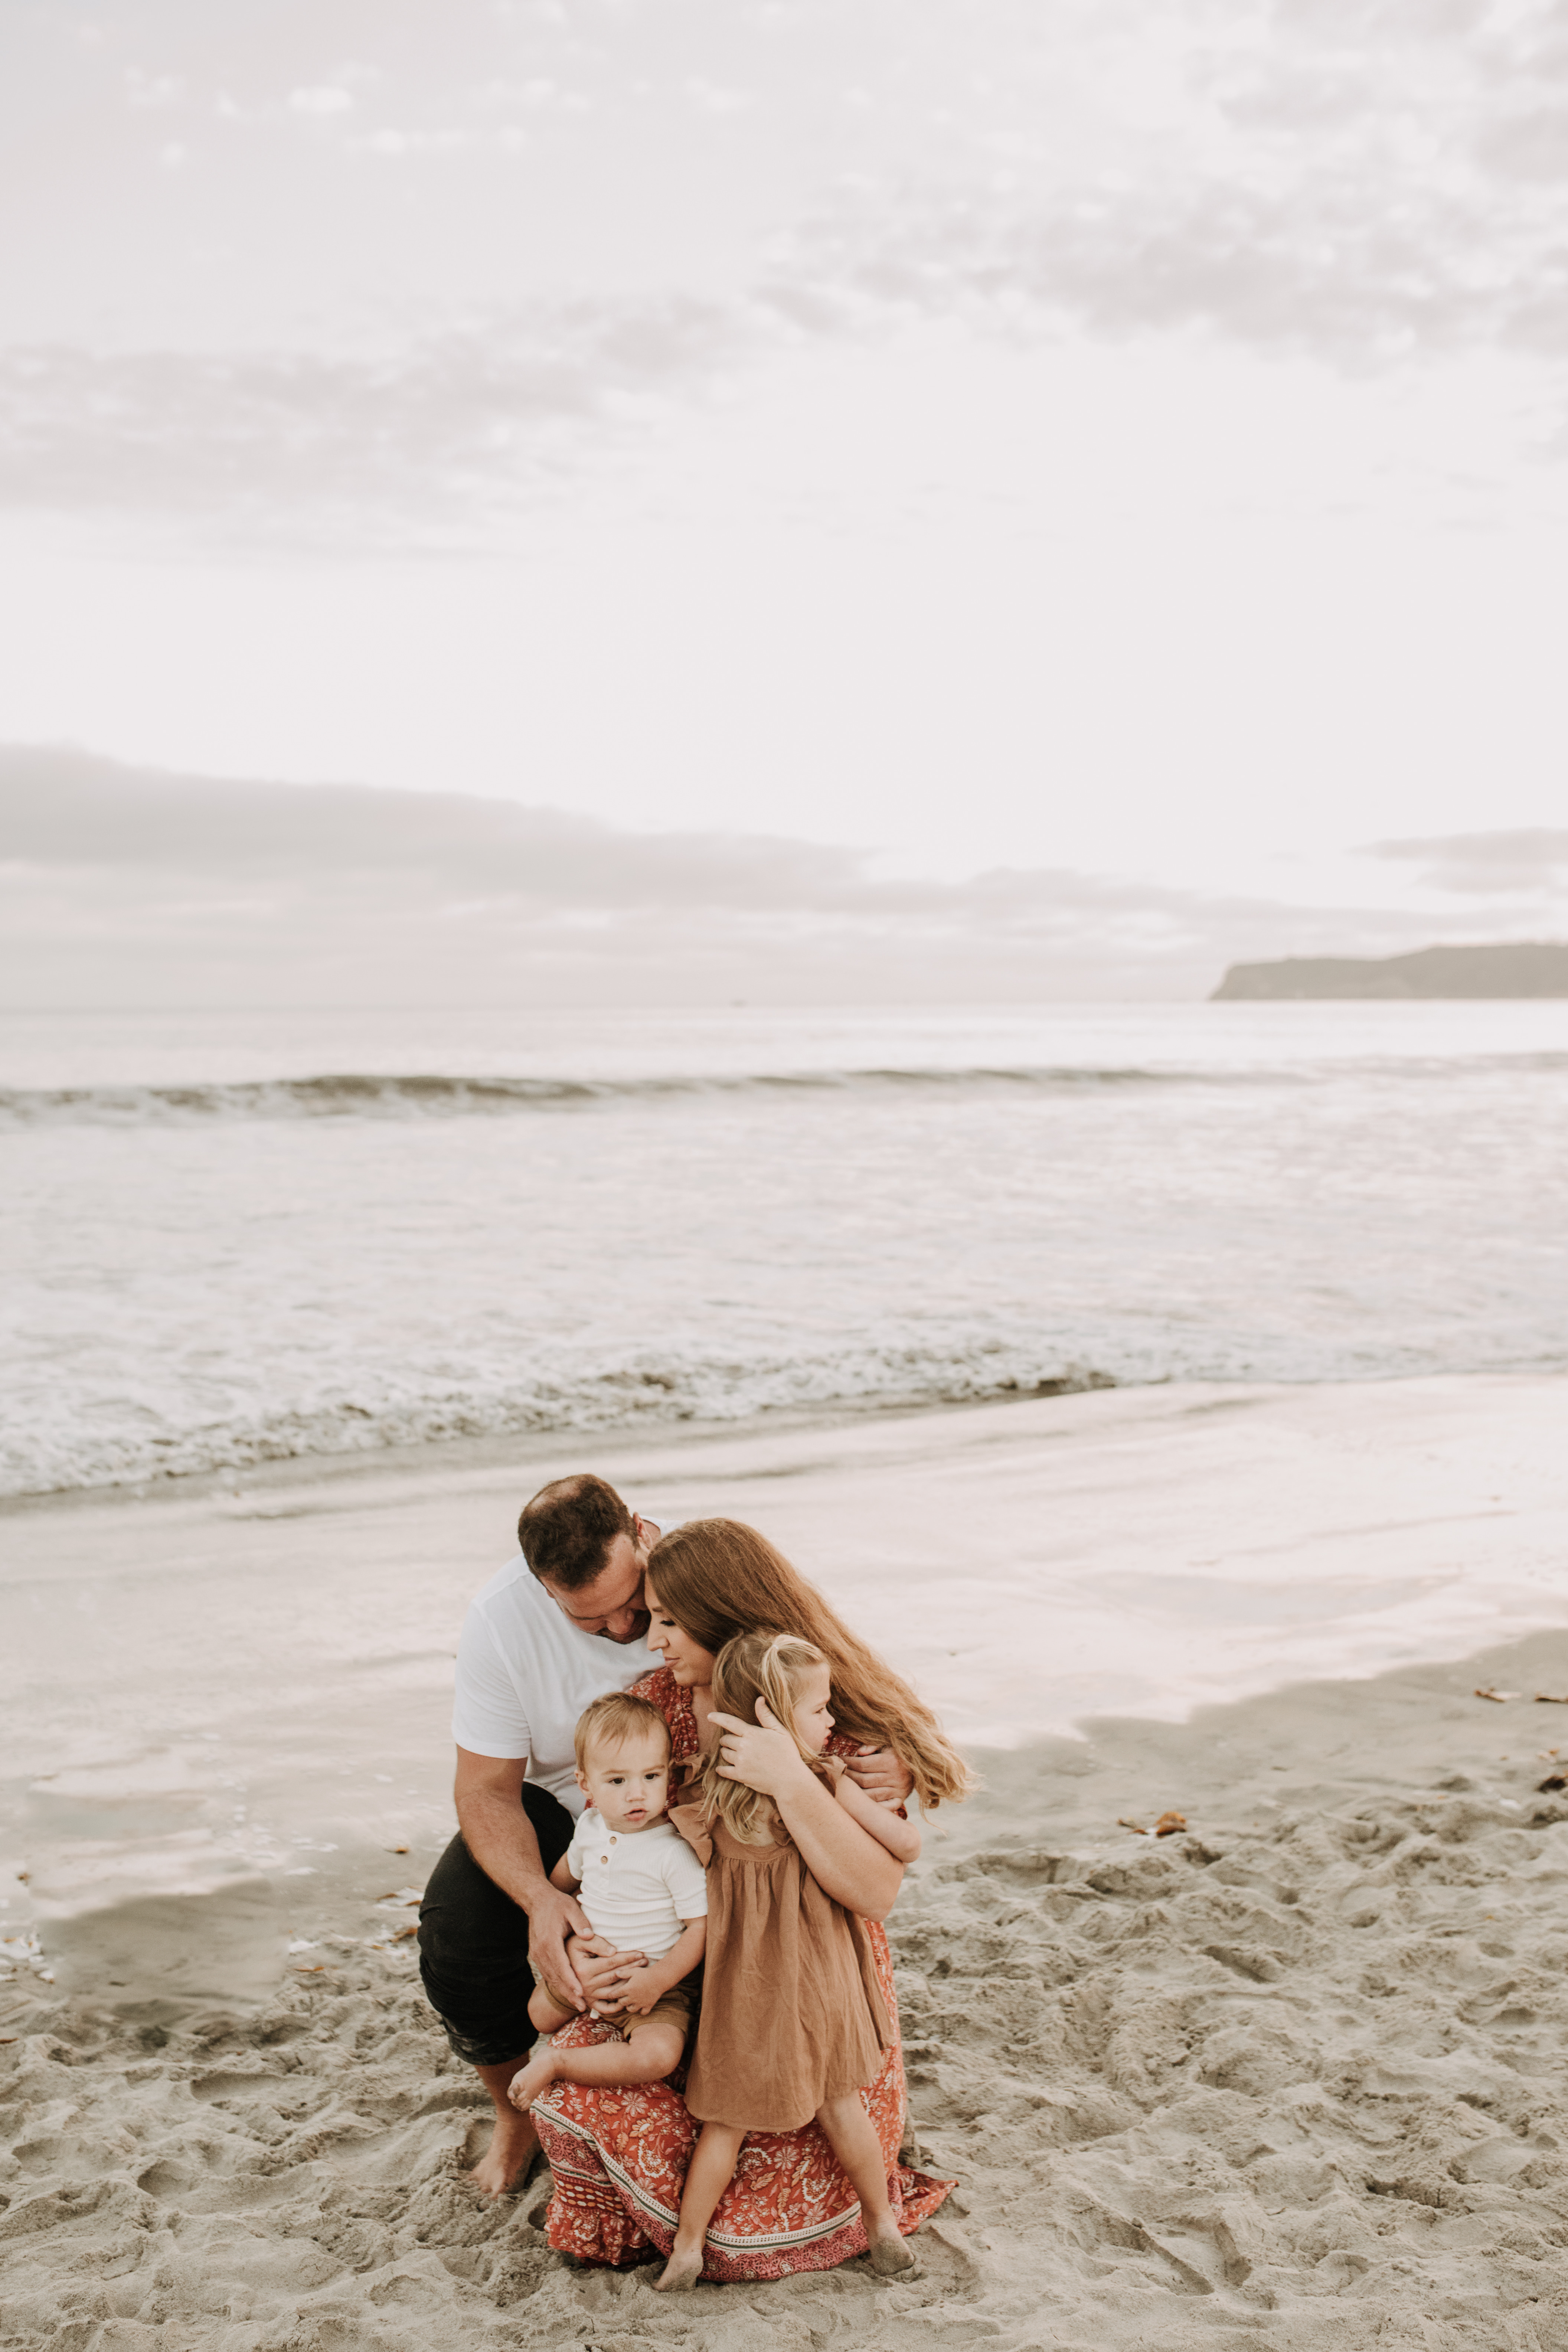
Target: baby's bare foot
681 2271
529 2081
891 2258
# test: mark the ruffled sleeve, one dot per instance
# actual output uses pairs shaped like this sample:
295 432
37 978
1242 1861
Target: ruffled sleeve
690 1821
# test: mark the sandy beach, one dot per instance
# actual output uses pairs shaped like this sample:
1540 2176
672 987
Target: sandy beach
803 752
1291 2078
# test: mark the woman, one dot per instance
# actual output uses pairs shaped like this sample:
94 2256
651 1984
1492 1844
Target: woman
619 2160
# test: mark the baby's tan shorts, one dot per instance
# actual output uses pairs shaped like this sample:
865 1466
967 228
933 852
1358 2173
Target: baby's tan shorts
674 2009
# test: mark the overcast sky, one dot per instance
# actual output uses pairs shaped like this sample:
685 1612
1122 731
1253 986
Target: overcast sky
1015 470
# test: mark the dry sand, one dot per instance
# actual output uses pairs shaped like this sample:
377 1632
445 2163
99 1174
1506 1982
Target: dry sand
1293 2080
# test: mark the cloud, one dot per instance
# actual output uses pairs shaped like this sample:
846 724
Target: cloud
68 812
1355 182
64 809
135 885
1364 183
446 420
1480 865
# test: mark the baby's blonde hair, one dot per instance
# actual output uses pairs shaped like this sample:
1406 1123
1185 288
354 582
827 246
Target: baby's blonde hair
771 1666
611 1721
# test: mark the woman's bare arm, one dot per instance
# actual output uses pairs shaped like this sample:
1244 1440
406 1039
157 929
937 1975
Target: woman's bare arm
845 1860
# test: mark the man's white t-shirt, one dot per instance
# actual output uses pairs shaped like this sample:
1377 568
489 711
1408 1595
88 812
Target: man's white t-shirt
639 1887
525 1673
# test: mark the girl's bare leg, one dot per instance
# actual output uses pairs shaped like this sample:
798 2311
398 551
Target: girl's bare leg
653 2051
712 2169
853 2138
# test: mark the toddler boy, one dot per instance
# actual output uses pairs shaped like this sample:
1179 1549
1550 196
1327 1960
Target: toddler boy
643 1889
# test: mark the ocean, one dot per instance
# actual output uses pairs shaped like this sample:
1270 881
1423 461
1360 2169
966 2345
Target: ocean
233 1238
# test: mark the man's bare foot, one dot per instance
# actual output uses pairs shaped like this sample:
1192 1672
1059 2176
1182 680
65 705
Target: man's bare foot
891 2258
504 2164
681 2271
529 2081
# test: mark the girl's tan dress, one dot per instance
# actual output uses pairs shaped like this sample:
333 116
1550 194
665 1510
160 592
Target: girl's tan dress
791 2012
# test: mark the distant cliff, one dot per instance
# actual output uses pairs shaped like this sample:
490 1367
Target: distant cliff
1531 969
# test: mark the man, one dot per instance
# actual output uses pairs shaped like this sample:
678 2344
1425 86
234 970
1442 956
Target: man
556 1627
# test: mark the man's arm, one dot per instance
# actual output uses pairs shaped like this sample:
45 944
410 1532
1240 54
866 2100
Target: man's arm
500 1835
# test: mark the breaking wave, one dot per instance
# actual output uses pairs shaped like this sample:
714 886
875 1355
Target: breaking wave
382 1408
419 1095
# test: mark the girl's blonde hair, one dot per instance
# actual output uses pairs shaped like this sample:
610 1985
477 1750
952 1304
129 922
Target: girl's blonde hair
771 1666
718 1578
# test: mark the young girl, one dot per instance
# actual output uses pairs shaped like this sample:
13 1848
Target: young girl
792 2025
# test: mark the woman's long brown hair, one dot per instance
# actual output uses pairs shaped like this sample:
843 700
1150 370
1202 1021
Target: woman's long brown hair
718 1578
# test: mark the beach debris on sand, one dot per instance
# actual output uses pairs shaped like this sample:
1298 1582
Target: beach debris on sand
1500 1698
1168 1825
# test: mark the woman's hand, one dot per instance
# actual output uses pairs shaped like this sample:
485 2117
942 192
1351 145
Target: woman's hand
761 1755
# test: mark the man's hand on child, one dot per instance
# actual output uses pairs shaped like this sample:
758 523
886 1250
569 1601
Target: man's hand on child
554 1917
882 1774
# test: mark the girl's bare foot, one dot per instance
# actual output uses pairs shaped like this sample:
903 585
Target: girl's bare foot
529 2081
891 2258
683 2269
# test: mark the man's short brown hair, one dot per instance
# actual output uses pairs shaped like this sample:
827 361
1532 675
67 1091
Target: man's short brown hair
567 1528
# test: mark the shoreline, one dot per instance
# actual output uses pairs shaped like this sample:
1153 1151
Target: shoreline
497 1449
493 1452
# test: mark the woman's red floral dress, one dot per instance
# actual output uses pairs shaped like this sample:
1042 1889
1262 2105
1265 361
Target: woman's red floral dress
619 2158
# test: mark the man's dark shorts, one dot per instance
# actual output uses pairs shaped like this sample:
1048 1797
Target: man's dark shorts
473 1944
